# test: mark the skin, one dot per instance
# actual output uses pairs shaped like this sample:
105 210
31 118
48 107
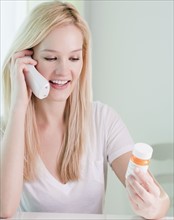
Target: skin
57 57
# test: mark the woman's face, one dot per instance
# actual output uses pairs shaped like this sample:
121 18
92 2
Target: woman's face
59 59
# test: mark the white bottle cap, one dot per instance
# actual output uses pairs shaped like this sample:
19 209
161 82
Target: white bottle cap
142 151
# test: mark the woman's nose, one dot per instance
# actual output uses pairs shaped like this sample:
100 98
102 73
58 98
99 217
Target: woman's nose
62 68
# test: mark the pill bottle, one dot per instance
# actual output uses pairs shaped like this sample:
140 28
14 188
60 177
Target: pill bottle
140 158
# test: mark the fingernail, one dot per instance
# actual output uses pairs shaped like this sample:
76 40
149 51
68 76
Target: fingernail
137 170
130 179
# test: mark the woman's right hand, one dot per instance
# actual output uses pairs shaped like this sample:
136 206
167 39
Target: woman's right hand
20 92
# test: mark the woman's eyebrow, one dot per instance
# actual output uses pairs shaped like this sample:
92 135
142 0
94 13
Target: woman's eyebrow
56 51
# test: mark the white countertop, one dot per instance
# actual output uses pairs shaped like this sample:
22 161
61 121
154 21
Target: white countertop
49 216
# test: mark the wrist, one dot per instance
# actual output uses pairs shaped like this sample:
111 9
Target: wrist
18 110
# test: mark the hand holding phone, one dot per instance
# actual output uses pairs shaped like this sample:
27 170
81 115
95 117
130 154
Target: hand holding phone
38 84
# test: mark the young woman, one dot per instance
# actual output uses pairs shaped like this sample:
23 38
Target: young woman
54 151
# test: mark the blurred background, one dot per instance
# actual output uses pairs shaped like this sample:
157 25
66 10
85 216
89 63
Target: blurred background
132 59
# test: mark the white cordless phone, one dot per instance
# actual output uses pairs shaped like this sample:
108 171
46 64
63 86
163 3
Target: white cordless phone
38 84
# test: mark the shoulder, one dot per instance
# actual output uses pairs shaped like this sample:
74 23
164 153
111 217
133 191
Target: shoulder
2 127
105 117
104 111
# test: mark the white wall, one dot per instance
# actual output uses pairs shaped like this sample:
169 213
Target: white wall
12 15
133 72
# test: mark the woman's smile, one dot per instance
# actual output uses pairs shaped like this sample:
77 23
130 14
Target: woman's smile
59 84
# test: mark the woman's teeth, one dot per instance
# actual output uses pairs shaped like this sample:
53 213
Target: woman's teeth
59 82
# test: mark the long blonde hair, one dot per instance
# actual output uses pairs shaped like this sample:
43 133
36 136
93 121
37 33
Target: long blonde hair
42 20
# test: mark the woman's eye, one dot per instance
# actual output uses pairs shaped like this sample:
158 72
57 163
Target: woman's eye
50 59
74 58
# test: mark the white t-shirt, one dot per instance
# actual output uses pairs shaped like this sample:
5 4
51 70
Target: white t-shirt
108 140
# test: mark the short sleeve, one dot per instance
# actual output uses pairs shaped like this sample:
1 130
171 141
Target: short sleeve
118 138
1 129
1 134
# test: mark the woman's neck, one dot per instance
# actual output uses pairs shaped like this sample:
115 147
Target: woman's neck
50 113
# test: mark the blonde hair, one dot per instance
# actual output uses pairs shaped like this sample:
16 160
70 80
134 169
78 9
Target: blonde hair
42 20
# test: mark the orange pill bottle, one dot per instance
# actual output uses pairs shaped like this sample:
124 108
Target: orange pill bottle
140 158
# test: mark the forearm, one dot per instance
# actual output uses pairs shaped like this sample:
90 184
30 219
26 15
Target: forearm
12 160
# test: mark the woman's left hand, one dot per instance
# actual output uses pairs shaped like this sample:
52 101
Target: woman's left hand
147 198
